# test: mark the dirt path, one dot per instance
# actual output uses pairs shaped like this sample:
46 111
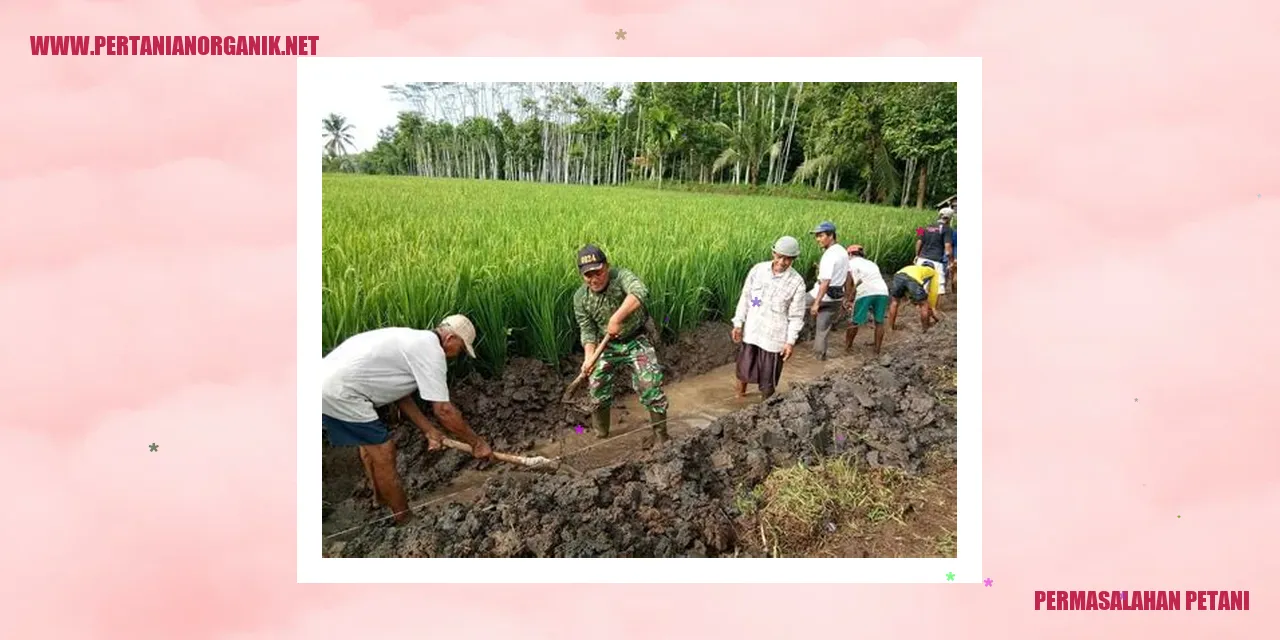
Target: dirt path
700 403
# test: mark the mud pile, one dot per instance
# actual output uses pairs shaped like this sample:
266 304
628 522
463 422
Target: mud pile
679 500
514 410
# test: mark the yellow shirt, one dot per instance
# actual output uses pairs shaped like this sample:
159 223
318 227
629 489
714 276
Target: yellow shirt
927 277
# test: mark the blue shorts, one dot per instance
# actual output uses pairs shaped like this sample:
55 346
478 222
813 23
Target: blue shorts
345 434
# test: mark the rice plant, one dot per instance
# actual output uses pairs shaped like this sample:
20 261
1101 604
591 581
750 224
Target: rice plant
403 251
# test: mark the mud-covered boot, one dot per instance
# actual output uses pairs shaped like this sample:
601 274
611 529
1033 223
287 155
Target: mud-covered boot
658 421
600 421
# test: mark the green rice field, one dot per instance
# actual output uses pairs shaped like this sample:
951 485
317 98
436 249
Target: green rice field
407 251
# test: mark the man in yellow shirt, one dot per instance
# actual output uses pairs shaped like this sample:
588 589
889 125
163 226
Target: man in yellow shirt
921 283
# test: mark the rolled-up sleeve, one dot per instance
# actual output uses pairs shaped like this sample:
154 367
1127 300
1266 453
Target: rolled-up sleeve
632 284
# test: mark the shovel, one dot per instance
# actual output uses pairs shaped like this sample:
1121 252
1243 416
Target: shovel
532 462
573 386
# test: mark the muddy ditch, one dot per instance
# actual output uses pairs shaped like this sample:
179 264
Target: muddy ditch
684 499
512 412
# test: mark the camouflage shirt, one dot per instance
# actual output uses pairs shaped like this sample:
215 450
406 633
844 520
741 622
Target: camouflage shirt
593 310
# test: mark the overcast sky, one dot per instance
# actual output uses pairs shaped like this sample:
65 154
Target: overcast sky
369 108
366 106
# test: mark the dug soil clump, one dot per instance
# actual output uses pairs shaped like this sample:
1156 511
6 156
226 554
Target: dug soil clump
693 497
512 412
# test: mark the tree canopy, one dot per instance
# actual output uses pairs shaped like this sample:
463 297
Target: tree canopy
885 143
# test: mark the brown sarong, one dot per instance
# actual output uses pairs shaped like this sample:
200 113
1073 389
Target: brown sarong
759 367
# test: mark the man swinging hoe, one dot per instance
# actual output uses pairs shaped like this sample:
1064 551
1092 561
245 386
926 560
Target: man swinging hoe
610 306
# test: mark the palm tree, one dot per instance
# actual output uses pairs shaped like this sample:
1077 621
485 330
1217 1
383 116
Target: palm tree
747 147
337 132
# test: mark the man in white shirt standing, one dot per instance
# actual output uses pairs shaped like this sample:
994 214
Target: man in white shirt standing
828 292
384 366
769 318
870 296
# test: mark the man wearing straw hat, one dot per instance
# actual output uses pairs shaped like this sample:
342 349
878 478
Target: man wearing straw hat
769 317
612 301
377 368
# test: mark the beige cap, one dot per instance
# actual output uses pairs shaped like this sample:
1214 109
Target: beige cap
460 325
787 246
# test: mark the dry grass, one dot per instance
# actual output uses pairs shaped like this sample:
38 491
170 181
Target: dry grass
943 382
945 544
841 509
796 505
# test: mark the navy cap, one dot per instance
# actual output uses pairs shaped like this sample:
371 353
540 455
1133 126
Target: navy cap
825 227
590 257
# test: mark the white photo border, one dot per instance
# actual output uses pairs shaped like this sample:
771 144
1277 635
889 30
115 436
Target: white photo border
966 567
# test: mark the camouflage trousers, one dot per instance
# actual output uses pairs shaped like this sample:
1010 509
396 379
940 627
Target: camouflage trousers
646 374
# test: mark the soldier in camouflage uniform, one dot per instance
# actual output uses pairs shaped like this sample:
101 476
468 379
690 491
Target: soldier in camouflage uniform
611 300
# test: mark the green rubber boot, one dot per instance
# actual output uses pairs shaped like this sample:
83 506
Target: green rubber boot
600 420
658 421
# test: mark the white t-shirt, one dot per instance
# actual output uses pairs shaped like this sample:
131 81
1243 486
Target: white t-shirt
379 367
833 266
867 278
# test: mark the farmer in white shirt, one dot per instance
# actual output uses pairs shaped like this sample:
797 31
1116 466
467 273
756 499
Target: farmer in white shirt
384 366
828 292
870 296
769 318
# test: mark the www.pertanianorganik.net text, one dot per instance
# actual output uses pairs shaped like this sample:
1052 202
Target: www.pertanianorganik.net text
174 45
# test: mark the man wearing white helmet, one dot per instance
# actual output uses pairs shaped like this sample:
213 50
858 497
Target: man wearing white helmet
769 317
377 368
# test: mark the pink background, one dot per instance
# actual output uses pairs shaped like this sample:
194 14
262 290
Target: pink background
147 270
